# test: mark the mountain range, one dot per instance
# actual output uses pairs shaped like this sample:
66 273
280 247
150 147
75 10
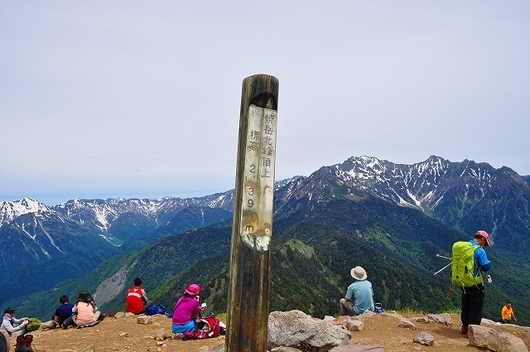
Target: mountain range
391 218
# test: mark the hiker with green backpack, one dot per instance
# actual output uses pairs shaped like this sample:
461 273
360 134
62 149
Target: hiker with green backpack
469 260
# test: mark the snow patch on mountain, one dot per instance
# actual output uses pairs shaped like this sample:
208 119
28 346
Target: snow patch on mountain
12 210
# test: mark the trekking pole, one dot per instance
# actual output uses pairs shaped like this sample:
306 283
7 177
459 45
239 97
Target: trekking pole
445 267
441 256
449 291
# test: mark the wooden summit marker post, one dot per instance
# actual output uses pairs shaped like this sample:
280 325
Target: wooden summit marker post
249 284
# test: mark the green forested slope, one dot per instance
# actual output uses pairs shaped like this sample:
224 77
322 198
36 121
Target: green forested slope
312 254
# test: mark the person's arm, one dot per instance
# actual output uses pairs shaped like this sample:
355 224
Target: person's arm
350 297
22 321
144 296
11 329
196 310
56 315
482 259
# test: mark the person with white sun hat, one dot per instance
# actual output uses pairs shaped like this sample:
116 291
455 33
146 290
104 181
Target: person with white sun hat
360 294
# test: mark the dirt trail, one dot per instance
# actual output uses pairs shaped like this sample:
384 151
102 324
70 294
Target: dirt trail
125 334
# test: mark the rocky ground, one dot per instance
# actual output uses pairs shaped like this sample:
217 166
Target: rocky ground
125 334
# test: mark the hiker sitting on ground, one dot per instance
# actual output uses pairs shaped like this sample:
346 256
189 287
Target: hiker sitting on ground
136 301
12 325
507 314
63 311
359 297
187 310
83 311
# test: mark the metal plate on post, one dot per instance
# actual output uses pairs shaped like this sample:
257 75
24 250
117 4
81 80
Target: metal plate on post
258 194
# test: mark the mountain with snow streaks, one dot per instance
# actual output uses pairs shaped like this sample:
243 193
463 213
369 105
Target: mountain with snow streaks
465 196
31 232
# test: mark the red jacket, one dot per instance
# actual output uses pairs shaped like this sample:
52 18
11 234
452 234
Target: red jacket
136 299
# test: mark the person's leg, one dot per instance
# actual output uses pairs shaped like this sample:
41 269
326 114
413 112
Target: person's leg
476 305
346 307
50 324
68 322
464 315
181 328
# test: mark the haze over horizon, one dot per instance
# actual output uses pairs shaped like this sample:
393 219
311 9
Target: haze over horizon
141 100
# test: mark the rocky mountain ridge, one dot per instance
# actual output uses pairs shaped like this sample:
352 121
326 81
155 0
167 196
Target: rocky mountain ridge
465 196
435 186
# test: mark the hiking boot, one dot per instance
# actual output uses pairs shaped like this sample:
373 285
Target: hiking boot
464 329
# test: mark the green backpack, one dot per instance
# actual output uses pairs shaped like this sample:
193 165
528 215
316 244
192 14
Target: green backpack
33 324
463 263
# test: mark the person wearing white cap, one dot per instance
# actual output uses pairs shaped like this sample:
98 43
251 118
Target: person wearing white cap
359 297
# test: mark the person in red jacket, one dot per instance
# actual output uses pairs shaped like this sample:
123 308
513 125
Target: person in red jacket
136 301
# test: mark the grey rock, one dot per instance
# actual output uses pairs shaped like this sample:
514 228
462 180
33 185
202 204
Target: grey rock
119 315
144 319
354 325
512 343
441 318
407 324
161 335
424 338
484 337
295 328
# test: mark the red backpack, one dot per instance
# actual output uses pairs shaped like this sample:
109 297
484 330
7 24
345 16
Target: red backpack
207 327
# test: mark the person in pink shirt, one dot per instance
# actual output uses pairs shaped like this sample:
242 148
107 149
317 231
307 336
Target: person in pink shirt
187 310
83 311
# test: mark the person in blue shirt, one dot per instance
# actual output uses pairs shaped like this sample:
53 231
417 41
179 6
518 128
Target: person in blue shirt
63 311
473 297
359 296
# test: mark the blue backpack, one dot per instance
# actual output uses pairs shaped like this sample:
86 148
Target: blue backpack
156 309
378 308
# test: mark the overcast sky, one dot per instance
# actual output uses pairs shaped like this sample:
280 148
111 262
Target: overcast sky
141 99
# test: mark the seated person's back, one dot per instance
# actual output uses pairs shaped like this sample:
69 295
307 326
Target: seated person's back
63 311
136 299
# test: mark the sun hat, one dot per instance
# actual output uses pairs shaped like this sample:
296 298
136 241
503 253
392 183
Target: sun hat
358 273
9 310
193 290
484 234
84 296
